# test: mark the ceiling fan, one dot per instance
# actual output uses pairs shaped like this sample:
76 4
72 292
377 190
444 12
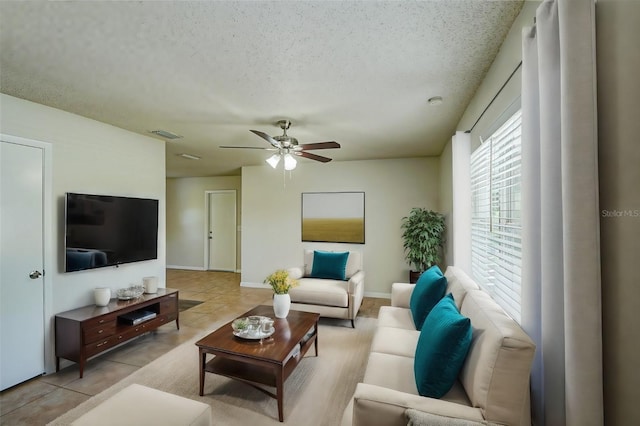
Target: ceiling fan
287 147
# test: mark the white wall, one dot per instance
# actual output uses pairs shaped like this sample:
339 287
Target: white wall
271 218
90 157
186 218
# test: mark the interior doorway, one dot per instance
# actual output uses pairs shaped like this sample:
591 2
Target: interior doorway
221 232
25 231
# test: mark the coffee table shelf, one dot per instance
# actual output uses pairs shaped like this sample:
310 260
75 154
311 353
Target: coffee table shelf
260 363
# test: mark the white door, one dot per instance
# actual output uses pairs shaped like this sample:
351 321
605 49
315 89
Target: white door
222 230
21 263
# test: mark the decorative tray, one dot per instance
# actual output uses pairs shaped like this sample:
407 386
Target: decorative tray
240 325
245 334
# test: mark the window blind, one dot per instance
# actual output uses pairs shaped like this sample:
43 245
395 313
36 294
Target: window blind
496 244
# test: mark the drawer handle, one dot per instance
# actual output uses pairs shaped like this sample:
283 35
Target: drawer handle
101 344
100 331
101 321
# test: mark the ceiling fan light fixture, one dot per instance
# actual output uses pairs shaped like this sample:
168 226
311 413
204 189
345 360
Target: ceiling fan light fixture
273 160
289 162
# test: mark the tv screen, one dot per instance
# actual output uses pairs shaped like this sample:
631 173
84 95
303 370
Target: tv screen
104 230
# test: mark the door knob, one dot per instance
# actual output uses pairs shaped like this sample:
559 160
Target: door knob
34 275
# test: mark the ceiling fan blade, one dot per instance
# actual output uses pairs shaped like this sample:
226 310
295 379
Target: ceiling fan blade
313 156
266 137
320 145
247 147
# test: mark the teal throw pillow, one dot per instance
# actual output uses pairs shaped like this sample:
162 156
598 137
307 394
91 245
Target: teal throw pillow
442 348
329 265
429 289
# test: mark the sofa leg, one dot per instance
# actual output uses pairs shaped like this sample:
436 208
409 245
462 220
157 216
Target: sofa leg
353 324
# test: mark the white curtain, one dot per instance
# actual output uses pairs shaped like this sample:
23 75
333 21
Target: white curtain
461 194
561 299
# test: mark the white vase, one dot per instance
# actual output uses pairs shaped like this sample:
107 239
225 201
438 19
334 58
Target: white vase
150 284
102 296
281 305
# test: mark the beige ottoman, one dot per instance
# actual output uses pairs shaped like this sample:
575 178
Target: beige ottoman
139 405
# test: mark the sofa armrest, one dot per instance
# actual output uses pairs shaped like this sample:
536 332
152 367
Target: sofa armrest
375 405
296 272
401 294
356 280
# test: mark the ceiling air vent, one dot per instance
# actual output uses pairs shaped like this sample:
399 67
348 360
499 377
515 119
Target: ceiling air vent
164 134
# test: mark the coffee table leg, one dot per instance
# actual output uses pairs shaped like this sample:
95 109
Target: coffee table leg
203 356
280 392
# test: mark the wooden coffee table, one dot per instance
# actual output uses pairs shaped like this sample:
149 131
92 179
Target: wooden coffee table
268 362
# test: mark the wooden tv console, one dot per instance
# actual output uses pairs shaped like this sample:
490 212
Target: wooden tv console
84 332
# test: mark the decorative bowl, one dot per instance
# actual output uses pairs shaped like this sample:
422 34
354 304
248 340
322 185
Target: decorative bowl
239 324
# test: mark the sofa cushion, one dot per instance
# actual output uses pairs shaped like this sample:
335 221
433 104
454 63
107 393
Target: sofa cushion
442 348
391 371
395 341
396 372
392 316
428 291
458 284
316 291
329 265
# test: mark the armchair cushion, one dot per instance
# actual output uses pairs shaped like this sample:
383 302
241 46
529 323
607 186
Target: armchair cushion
442 349
329 265
317 291
428 291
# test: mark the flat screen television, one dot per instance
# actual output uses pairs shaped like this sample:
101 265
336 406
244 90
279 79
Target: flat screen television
105 230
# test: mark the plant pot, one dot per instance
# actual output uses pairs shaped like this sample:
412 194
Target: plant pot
413 276
281 305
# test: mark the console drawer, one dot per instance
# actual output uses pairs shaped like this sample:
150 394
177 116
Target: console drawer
99 346
102 332
100 321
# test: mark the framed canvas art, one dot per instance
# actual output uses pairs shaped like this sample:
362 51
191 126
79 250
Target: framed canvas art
333 217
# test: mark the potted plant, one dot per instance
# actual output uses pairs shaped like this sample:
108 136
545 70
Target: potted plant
281 283
423 235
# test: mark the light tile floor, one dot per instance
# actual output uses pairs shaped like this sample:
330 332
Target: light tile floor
42 399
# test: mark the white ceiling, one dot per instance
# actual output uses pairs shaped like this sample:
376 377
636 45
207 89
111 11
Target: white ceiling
357 72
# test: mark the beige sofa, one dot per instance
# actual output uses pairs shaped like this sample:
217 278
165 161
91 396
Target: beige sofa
493 384
328 297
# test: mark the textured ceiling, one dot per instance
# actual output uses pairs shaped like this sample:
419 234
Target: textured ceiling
357 72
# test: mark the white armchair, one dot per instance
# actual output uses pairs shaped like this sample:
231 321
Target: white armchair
332 298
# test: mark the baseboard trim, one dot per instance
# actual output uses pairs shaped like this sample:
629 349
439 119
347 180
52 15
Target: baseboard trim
377 295
253 285
188 268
